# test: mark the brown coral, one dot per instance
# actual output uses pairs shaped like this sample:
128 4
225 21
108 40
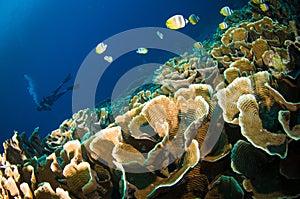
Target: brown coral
45 191
228 97
162 114
252 129
244 66
173 133
77 175
225 187
284 119
250 40
231 74
258 49
239 34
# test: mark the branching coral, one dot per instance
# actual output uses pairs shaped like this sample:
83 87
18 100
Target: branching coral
66 174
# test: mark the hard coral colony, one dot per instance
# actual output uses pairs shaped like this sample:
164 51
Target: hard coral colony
250 76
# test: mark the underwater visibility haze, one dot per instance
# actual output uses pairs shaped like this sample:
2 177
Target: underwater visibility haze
47 40
149 99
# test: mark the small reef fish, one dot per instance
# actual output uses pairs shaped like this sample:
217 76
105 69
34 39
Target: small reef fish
159 34
258 1
109 59
198 45
264 7
223 25
176 22
194 19
226 11
142 51
100 48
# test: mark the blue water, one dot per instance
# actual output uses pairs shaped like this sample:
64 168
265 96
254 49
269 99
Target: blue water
48 39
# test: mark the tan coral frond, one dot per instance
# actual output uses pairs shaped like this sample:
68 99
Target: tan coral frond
252 129
228 97
203 90
135 124
72 148
239 34
55 167
231 74
86 121
26 191
193 108
77 175
190 160
125 153
226 38
262 92
11 186
280 99
259 47
45 191
160 110
244 65
284 120
193 114
100 145
29 176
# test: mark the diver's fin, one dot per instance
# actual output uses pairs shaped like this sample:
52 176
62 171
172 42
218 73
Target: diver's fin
73 87
67 78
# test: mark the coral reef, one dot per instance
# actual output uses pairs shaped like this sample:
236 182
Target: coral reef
220 122
261 42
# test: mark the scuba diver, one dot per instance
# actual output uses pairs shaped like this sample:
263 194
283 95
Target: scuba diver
46 103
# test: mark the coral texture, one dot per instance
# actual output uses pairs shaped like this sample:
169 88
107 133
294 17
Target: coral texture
220 122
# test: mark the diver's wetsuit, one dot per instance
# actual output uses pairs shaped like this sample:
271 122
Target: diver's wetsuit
46 103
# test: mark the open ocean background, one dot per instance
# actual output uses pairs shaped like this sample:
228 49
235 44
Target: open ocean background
48 39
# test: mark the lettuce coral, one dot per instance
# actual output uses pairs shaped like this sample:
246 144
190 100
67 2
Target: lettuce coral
222 121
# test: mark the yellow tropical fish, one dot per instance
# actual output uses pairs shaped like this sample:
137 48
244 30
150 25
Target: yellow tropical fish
198 45
194 19
226 11
176 22
223 25
100 48
258 1
142 51
109 59
264 7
